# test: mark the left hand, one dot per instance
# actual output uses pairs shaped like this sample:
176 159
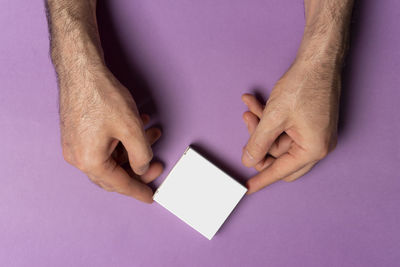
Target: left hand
297 127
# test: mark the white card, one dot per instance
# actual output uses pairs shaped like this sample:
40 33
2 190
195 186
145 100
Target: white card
199 193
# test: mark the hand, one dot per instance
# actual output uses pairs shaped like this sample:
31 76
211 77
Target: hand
297 127
101 129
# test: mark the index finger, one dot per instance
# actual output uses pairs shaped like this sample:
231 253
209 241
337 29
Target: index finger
283 166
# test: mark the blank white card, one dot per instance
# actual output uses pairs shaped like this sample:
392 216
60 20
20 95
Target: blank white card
199 193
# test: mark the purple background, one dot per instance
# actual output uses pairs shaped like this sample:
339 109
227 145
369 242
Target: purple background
195 59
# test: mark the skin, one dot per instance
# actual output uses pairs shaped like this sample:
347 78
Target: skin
101 128
103 134
298 125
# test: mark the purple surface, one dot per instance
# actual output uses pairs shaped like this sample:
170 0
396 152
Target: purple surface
198 58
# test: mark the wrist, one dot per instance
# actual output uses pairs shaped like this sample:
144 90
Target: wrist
77 60
327 51
75 41
326 32
77 52
327 46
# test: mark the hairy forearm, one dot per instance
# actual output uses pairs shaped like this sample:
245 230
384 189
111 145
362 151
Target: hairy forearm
75 43
326 31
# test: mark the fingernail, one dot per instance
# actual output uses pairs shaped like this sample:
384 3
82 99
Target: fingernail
248 156
143 169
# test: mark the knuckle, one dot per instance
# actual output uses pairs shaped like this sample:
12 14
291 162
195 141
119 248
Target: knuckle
132 126
149 156
255 147
323 146
104 185
275 115
86 161
108 189
107 165
321 152
143 160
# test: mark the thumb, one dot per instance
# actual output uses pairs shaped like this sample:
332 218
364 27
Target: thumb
260 141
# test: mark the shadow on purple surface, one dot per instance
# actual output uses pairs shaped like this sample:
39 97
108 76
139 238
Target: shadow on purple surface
261 94
126 70
118 61
348 94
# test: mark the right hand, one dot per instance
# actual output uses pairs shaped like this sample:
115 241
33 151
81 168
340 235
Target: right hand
101 129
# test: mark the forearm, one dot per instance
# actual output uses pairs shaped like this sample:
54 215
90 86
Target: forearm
326 31
75 43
